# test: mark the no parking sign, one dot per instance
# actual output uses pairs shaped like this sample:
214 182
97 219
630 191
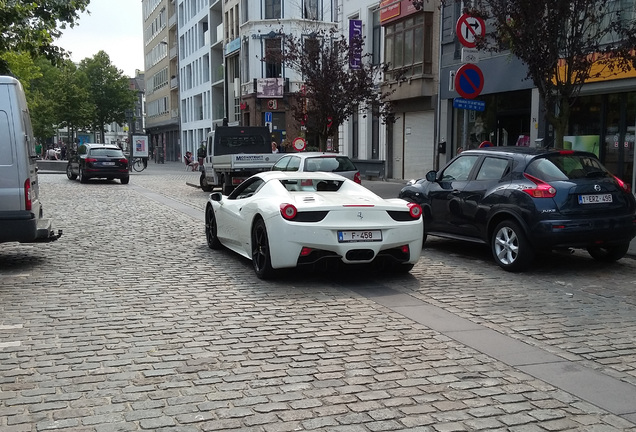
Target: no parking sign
469 81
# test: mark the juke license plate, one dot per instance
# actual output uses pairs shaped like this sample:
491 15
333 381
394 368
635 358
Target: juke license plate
359 236
108 163
595 199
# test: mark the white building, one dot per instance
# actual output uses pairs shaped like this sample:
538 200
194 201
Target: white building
201 85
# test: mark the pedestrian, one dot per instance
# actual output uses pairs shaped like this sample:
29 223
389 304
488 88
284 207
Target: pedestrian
274 147
50 154
38 150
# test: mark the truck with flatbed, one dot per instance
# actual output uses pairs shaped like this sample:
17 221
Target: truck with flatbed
234 153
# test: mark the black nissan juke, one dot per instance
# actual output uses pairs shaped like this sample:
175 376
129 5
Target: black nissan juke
520 200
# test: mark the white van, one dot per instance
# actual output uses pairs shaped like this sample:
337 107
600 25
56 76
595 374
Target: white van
21 215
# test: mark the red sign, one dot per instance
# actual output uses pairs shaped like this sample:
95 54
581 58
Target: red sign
469 81
390 10
299 144
469 29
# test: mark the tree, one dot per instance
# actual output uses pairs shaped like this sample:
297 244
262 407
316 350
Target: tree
31 27
563 43
333 91
109 91
72 100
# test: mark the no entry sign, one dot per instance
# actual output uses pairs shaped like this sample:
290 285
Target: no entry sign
469 81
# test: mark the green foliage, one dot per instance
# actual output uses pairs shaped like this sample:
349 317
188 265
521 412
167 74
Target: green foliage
108 90
31 26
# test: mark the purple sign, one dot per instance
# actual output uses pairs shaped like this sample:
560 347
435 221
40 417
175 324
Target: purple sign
355 43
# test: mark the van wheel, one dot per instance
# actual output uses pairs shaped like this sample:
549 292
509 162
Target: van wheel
69 172
227 185
510 247
82 177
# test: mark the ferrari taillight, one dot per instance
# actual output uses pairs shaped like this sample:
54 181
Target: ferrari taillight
356 178
415 210
288 211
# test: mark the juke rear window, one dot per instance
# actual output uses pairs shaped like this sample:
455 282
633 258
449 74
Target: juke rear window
566 167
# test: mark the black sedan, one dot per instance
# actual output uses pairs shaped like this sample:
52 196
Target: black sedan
98 161
521 200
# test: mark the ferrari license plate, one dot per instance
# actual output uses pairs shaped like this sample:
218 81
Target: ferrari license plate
595 199
359 236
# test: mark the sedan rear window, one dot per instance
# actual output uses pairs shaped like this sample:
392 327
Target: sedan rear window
329 164
566 167
108 152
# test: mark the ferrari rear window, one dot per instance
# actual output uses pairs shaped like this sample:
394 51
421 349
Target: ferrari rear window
566 167
311 185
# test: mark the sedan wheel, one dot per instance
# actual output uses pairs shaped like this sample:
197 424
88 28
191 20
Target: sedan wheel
69 172
260 251
211 229
608 253
510 247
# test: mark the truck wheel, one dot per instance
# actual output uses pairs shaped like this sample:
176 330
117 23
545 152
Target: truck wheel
203 182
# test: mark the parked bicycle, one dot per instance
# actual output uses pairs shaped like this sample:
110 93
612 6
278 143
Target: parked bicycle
139 164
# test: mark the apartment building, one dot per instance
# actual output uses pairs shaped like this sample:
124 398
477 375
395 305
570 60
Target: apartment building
162 82
201 70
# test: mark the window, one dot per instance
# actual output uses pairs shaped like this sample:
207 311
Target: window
273 67
460 169
409 46
311 10
272 9
492 169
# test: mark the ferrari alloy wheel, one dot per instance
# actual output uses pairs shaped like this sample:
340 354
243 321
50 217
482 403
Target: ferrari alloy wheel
211 229
510 247
608 253
260 251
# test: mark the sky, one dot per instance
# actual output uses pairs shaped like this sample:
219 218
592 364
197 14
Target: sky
114 26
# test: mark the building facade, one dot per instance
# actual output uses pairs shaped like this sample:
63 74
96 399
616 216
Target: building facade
162 82
603 119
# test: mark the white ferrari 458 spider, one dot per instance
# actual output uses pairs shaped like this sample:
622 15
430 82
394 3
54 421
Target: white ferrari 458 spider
289 219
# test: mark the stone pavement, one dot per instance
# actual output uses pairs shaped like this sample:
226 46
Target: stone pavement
129 322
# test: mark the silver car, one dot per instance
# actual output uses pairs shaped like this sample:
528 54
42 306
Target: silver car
318 161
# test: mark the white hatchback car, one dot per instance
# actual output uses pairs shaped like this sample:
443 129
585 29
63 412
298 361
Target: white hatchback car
318 161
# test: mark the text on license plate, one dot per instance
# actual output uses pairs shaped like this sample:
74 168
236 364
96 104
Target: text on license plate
359 236
595 199
108 163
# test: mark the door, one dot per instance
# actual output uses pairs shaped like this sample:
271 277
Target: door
445 196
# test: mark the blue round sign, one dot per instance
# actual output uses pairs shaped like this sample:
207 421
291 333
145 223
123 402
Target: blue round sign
469 81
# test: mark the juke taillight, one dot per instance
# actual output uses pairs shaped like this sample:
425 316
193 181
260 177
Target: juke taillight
625 186
414 210
288 211
542 189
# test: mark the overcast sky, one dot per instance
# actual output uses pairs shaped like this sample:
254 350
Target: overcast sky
114 26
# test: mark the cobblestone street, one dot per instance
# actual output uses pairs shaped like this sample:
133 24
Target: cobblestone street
130 322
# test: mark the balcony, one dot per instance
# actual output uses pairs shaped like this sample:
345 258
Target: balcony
174 83
174 113
173 52
172 21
